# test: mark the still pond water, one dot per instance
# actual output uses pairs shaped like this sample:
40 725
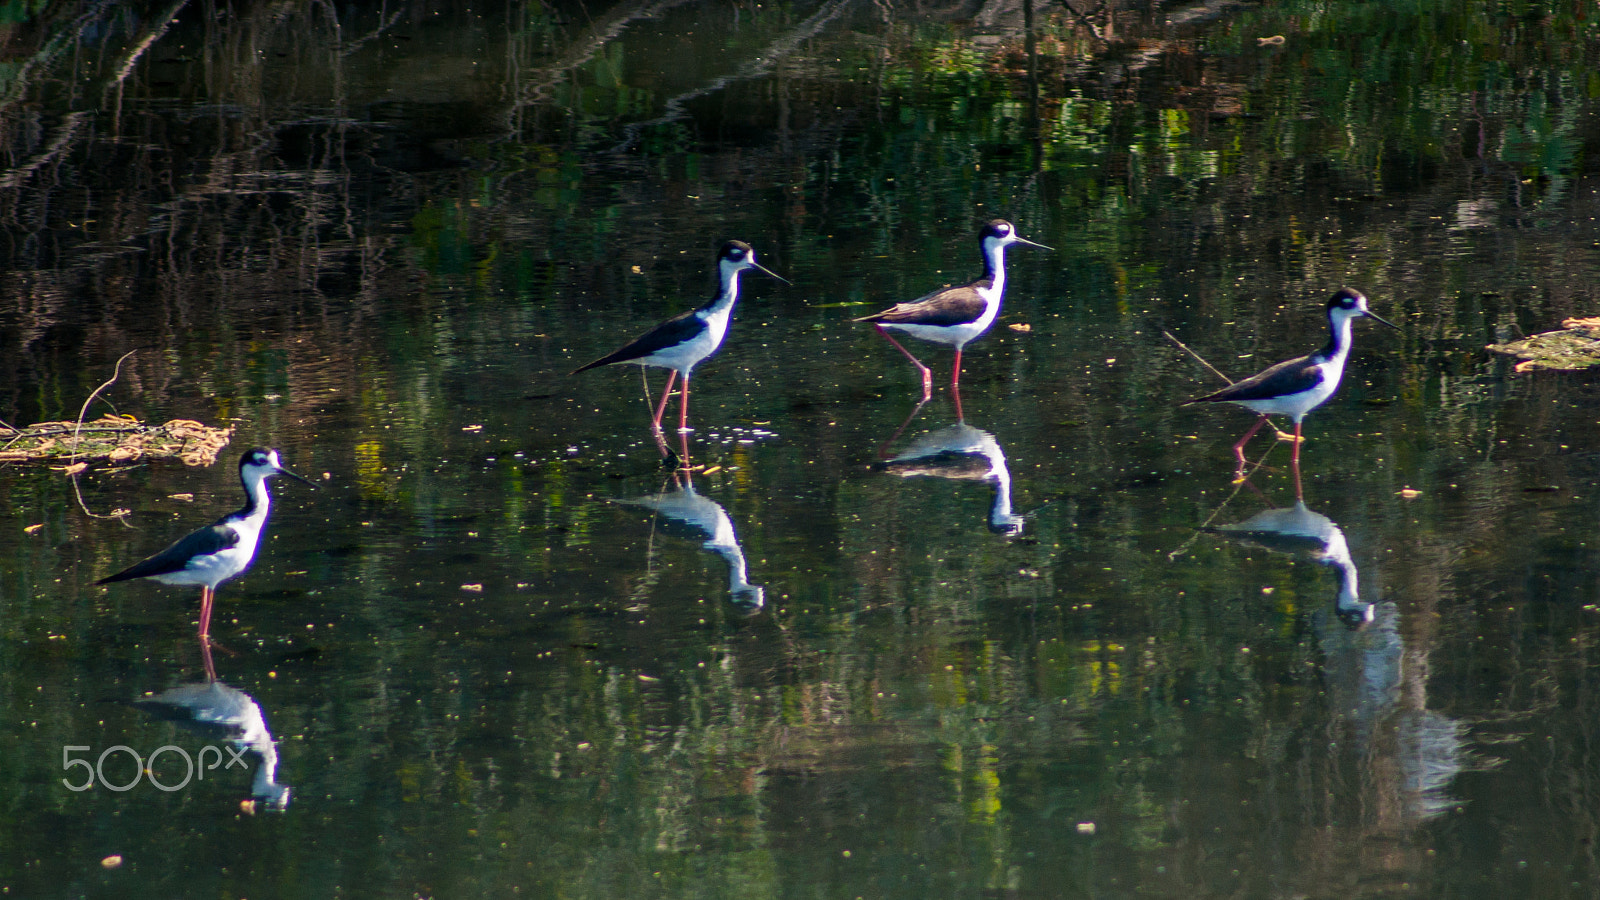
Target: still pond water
501 651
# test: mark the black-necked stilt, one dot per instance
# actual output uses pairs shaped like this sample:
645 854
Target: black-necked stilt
962 452
1297 386
681 342
688 514
1297 531
955 315
220 712
211 555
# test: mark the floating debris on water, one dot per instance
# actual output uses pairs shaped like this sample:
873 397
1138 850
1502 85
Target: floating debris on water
114 440
1576 346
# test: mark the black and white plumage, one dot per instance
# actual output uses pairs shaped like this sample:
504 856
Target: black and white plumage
217 711
958 314
211 555
681 342
962 452
1297 531
686 513
1297 386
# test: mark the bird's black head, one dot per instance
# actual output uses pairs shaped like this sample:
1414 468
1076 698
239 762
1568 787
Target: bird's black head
1357 615
736 256
260 458
264 462
1352 304
1347 299
998 229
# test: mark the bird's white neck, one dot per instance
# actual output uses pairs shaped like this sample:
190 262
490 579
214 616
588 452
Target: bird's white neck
1336 554
257 499
725 544
1001 519
994 265
1338 348
727 292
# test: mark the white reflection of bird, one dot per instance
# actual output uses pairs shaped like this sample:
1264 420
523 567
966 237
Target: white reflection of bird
961 452
217 711
686 513
1297 531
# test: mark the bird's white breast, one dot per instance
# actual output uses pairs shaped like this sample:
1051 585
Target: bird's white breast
688 354
214 568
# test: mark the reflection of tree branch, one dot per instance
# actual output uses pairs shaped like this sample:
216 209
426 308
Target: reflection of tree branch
70 125
153 34
755 67
582 50
383 26
66 37
1083 18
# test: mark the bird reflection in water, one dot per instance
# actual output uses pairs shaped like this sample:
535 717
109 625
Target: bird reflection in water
1297 531
217 711
961 452
683 512
1375 684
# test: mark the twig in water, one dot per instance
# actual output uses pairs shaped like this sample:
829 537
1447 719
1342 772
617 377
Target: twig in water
1185 348
115 372
1238 485
72 465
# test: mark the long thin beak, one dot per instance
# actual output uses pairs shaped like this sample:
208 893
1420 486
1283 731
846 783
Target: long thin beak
1381 320
282 471
762 268
1022 240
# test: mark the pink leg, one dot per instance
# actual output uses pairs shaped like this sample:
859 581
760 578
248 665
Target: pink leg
207 596
955 373
661 407
927 376
683 407
1299 491
883 449
1238 449
205 656
955 391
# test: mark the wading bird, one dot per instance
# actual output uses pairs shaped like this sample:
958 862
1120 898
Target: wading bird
211 555
681 342
955 315
1297 386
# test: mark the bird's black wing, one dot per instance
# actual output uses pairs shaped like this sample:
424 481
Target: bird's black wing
1275 541
199 542
944 464
1288 377
946 306
675 330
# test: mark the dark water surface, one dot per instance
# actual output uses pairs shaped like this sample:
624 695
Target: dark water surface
495 659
